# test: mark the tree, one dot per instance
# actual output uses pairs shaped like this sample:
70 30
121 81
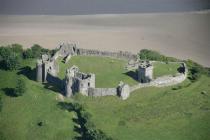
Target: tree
9 58
12 62
20 87
17 48
37 50
154 55
28 53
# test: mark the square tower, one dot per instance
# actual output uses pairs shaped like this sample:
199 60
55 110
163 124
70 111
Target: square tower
145 72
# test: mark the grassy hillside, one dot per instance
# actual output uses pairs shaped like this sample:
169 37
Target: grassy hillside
20 116
155 113
149 113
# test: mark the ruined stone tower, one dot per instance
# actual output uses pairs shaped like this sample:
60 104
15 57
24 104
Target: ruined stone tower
77 81
145 72
123 90
68 86
39 71
46 67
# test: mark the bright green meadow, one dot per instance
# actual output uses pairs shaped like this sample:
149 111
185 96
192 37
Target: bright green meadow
168 113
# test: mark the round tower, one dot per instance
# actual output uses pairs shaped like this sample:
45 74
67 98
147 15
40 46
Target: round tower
39 71
123 90
145 72
68 87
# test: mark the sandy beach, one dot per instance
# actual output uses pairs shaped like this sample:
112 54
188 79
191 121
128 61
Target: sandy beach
183 35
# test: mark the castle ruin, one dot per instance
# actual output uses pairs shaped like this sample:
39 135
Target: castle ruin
84 83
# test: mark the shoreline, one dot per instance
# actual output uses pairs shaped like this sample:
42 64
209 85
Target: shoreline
181 35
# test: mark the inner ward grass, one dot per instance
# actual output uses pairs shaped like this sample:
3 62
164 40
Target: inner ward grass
161 69
109 72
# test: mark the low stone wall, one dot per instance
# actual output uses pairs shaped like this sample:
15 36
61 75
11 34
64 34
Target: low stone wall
167 80
118 55
102 91
140 85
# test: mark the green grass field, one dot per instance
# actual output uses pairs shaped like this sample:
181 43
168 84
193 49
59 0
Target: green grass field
20 115
155 113
161 69
109 72
148 114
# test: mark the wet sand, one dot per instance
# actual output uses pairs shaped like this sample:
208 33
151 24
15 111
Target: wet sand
182 35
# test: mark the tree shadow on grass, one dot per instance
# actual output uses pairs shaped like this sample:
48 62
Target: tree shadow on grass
28 72
83 126
132 74
66 106
9 92
78 121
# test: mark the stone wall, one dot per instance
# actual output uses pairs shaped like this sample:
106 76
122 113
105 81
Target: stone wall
71 49
167 80
102 91
119 55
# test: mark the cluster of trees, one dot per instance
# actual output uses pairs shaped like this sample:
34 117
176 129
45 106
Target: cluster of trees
196 70
88 130
12 55
146 54
36 51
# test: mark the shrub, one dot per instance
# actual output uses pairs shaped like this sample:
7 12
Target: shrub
97 135
177 87
20 87
195 70
155 56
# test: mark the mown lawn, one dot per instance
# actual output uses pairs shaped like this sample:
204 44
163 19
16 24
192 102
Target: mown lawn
161 69
149 113
20 116
109 72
